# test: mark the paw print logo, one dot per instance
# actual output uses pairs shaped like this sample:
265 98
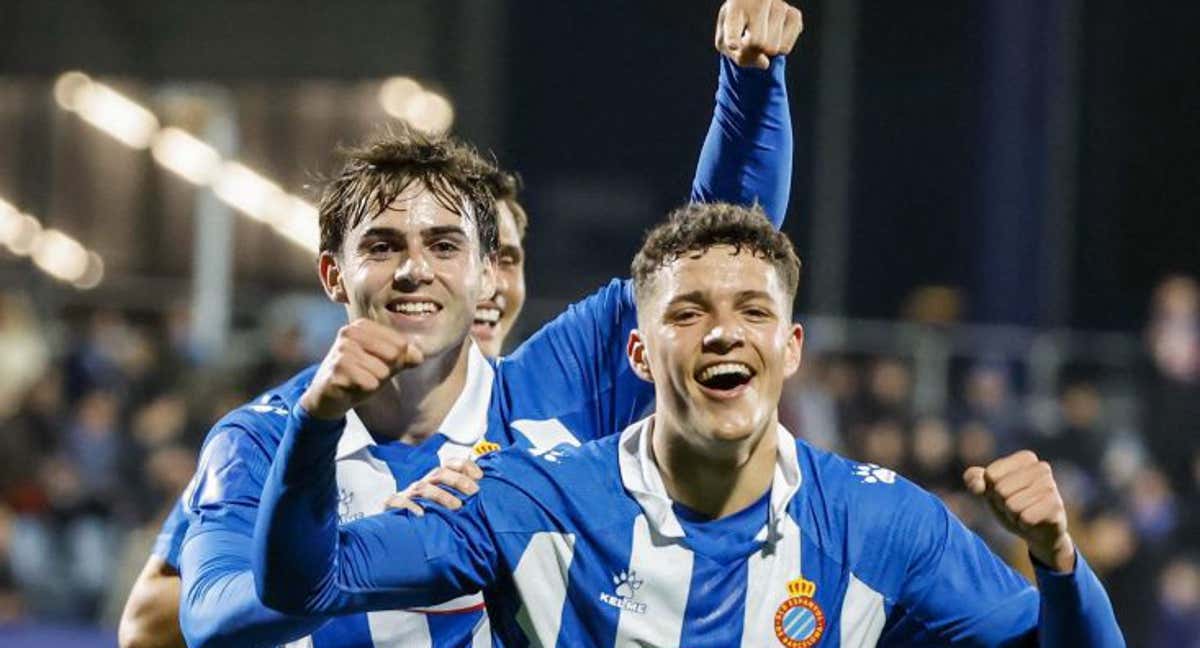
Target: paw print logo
875 474
627 584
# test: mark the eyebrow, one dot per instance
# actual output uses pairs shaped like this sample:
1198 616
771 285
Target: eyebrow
443 230
512 250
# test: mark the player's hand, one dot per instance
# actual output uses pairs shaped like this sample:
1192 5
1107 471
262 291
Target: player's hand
460 474
364 356
750 32
1023 495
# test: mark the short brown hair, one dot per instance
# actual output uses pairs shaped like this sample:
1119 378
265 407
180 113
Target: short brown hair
507 186
699 226
375 173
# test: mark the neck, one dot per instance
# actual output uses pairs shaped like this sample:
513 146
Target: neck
718 479
417 400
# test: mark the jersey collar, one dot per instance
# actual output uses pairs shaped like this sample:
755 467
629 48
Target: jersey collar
641 477
464 424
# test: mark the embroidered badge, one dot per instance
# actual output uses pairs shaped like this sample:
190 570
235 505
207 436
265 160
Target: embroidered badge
484 447
799 621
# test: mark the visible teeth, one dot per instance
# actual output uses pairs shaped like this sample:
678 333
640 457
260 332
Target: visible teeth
413 308
489 315
723 369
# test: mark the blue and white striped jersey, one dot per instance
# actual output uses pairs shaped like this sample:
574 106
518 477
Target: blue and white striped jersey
572 367
581 546
570 376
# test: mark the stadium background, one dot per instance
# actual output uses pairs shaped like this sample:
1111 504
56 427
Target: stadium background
995 200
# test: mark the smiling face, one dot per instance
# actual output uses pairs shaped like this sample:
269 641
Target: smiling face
416 266
496 315
715 337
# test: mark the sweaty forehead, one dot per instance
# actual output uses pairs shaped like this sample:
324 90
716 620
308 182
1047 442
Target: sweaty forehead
720 271
416 209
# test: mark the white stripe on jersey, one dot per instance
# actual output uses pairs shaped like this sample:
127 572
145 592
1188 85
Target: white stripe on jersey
767 574
660 565
305 642
545 435
541 578
397 629
481 636
862 615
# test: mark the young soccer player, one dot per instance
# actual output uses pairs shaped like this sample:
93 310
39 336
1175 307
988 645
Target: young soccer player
415 258
706 524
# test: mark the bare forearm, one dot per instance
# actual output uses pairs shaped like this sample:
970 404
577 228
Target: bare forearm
151 615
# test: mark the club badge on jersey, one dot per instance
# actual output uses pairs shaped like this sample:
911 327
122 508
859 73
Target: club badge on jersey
799 621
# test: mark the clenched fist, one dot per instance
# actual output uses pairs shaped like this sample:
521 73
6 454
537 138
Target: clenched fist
364 356
1022 493
752 31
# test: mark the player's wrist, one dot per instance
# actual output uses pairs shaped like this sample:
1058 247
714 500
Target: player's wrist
1058 555
313 406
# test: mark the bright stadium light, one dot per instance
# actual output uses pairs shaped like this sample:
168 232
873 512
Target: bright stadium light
114 113
21 233
93 273
296 220
194 160
184 154
430 112
67 87
246 191
396 93
61 256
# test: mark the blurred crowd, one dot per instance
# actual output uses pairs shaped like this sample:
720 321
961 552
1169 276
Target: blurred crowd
103 413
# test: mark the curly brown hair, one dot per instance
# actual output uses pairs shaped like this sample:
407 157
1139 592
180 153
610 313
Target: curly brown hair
506 187
375 173
697 227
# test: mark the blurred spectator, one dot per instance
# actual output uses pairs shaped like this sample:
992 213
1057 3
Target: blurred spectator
1179 605
1082 438
808 409
1171 383
25 351
987 398
93 442
889 390
933 463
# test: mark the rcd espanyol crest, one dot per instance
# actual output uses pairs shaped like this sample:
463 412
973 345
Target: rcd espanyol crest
799 621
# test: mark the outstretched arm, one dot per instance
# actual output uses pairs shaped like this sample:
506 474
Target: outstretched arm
747 155
305 564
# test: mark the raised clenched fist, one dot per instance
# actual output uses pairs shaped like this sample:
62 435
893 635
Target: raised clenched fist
1022 493
750 32
364 356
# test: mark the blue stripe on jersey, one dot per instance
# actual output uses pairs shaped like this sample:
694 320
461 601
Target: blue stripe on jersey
350 631
409 463
452 630
714 609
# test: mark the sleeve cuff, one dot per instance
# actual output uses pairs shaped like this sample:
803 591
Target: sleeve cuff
1057 585
306 421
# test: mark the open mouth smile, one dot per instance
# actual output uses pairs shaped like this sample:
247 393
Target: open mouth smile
724 379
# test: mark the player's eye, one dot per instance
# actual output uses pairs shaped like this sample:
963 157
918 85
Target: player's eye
757 313
444 247
380 248
686 315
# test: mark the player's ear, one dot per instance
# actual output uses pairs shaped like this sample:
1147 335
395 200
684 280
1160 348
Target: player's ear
636 351
331 277
794 350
